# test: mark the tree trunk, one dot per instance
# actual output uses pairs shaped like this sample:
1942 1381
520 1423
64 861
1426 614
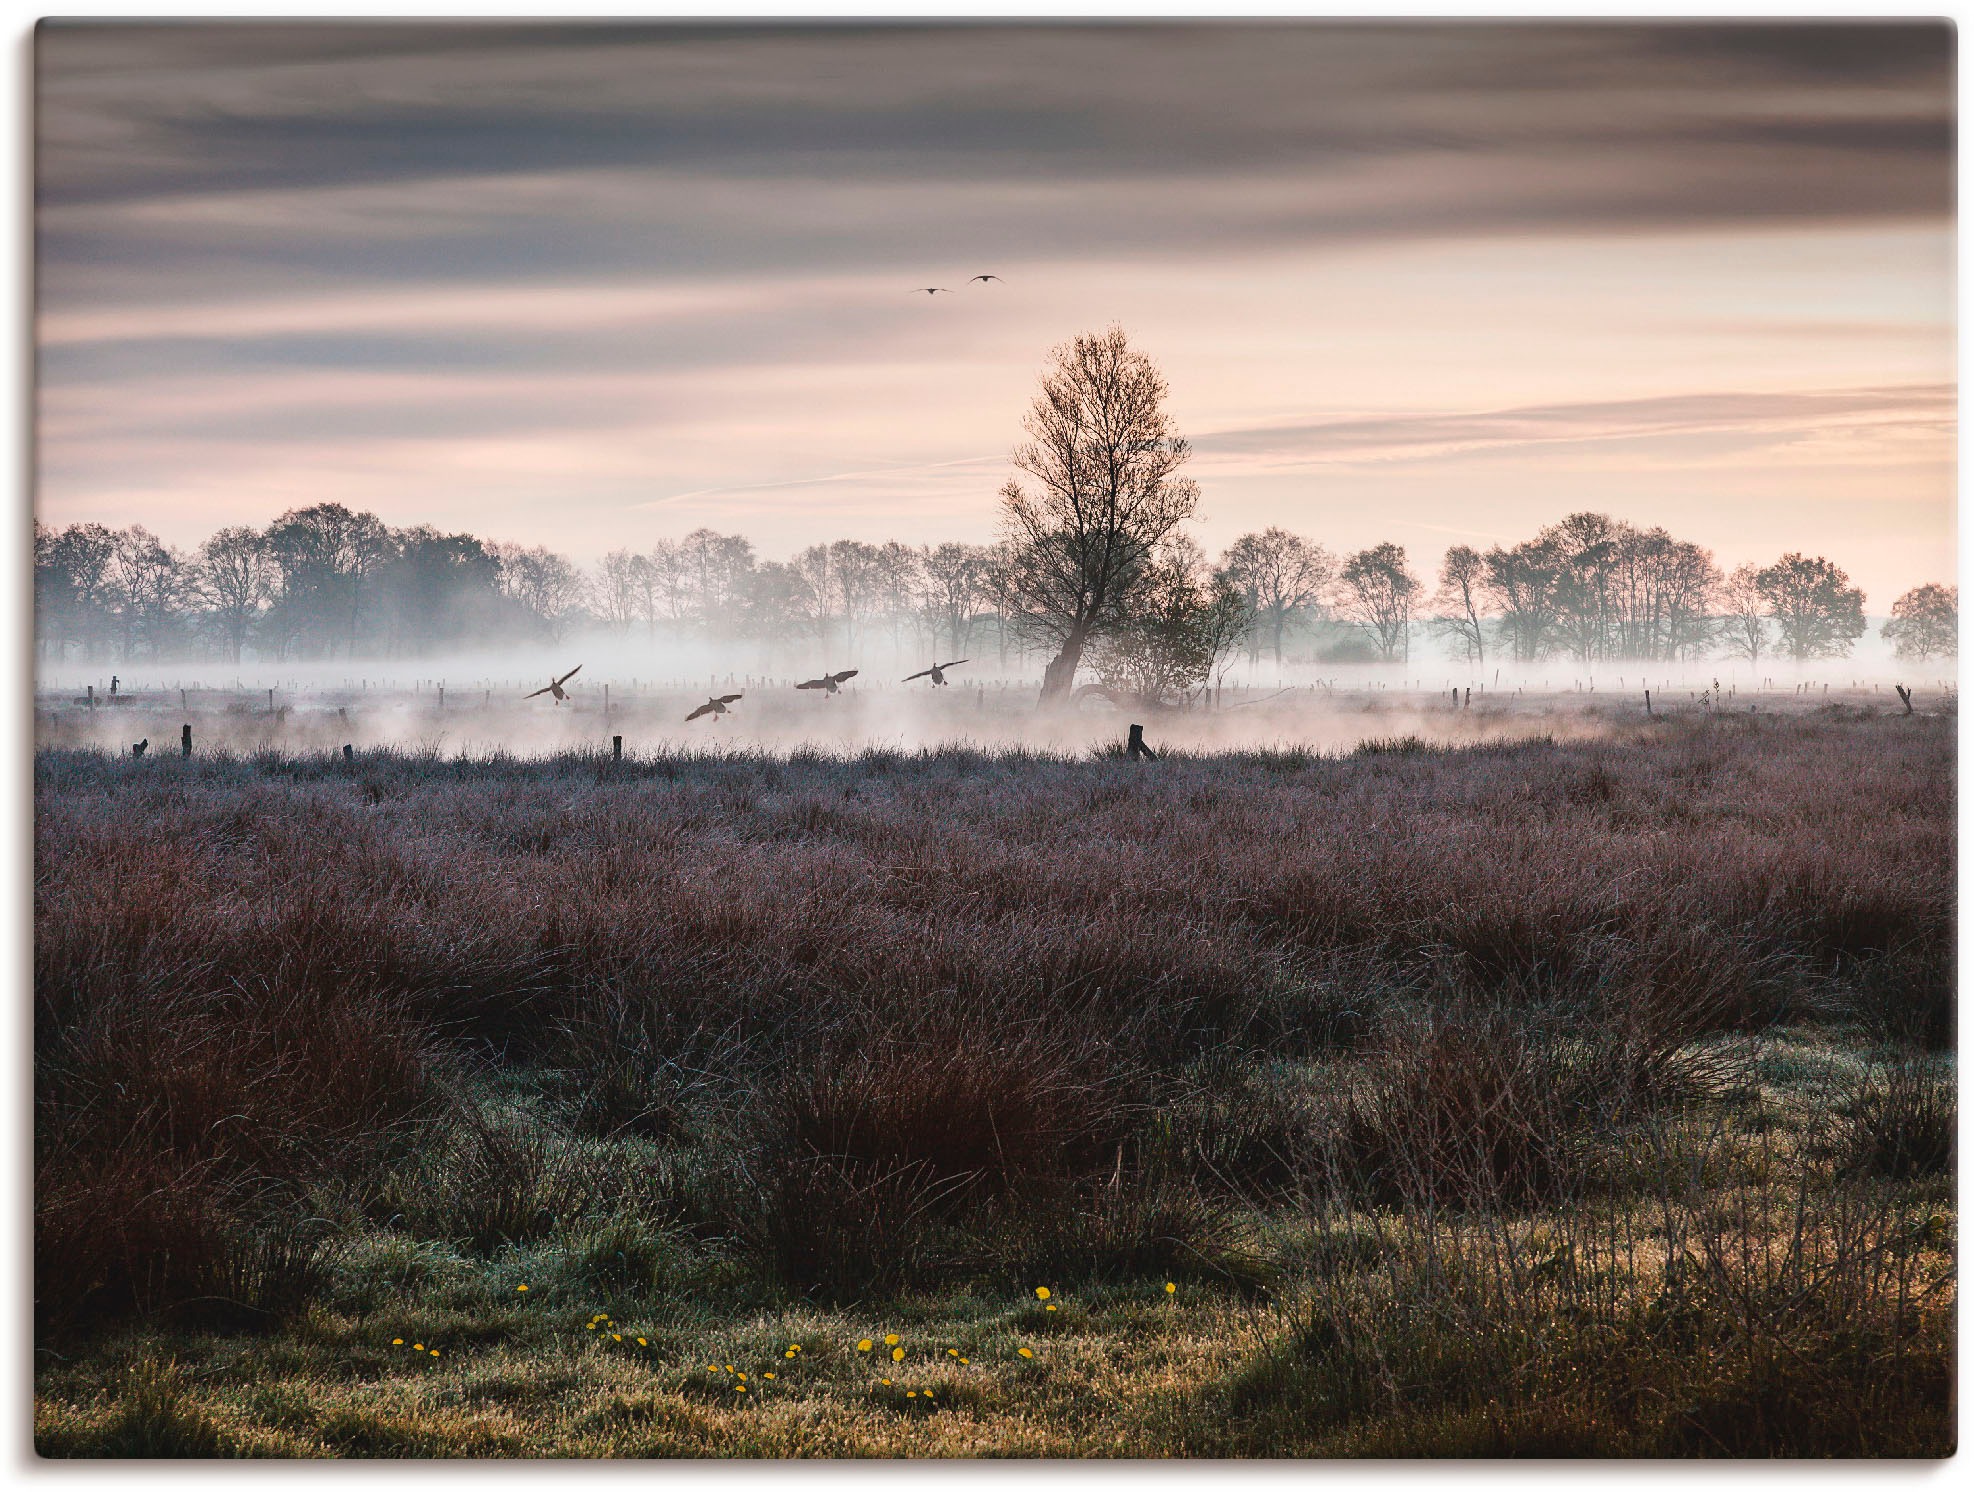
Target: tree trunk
1060 675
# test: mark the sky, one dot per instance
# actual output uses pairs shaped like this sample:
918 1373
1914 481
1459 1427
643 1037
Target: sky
596 285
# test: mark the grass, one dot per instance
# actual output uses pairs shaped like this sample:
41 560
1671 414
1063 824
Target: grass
1590 1097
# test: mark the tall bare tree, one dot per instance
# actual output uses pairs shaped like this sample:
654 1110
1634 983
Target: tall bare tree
1282 575
1104 457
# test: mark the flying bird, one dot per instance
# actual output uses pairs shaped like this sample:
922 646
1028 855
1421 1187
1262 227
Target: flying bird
930 290
555 686
937 673
716 707
987 277
828 681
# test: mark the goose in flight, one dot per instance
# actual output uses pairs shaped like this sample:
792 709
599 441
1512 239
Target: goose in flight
715 706
936 673
996 278
828 681
555 686
930 290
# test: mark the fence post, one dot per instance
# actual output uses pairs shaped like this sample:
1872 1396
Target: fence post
616 748
92 699
1648 701
349 753
185 741
1136 748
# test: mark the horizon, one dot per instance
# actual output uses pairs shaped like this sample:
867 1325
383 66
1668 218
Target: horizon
597 285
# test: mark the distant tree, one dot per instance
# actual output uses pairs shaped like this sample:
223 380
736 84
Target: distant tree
71 587
1585 548
1283 577
235 578
1457 603
715 569
1104 458
1181 620
1925 623
146 584
778 605
1376 591
1744 618
955 590
1660 595
546 587
618 588
328 557
856 570
437 591
1817 611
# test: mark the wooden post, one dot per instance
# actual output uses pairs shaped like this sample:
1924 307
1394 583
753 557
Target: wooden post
349 754
1648 701
606 704
1905 697
185 741
616 748
442 699
1136 748
270 701
92 699
181 700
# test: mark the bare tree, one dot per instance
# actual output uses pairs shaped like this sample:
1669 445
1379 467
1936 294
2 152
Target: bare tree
617 588
1282 575
1744 619
956 582
1376 590
1456 604
1104 458
235 579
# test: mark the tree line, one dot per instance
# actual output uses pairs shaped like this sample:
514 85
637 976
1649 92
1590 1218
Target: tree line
1092 570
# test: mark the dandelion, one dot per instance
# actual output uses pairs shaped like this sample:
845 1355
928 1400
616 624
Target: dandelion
1048 1308
521 1289
767 1375
730 1368
892 1340
864 1345
897 1354
592 1326
911 1393
887 1382
435 1352
965 1361
740 1388
789 1355
642 1343
1026 1353
952 1352
417 1346
397 1341
1042 1292
615 1337
1171 1288
741 1376
794 1346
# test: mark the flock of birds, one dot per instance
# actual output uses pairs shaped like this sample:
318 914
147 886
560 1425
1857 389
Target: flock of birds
718 704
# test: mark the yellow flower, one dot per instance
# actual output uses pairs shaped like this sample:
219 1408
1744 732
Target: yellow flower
642 1343
1170 1288
892 1340
965 1361
952 1352
741 1376
789 1355
522 1289
864 1345
615 1337
911 1393
1041 1292
794 1346
435 1352
887 1382
397 1341
592 1326
1026 1353
417 1346
712 1367
729 1367
740 1388
1048 1308
767 1375
897 1354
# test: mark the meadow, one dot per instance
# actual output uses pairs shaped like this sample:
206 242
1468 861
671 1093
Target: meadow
1572 1091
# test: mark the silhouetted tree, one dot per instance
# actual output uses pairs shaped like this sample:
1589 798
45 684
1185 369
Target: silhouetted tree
1744 619
1522 584
1180 619
956 584
1104 458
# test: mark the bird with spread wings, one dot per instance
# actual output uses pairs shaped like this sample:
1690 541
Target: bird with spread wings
936 673
828 682
930 290
715 706
987 277
555 686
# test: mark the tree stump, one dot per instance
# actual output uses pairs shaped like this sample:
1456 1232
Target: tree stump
1136 748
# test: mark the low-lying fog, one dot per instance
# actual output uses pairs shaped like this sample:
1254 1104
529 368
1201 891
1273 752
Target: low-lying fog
474 705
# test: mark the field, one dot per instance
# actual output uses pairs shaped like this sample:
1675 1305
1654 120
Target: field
1580 1087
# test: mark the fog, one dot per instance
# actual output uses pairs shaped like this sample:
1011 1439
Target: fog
476 703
